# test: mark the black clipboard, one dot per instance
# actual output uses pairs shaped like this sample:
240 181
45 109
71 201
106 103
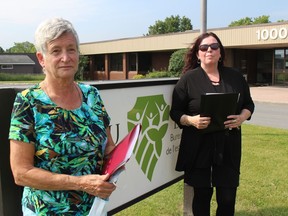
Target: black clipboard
218 106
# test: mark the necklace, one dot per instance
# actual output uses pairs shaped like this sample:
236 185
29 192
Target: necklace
215 82
212 76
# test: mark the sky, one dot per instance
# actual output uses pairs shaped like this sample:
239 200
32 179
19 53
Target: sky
100 20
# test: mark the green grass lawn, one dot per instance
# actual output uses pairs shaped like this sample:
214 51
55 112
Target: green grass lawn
20 78
263 187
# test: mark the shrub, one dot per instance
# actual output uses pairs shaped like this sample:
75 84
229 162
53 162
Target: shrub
139 76
158 74
83 63
176 62
154 74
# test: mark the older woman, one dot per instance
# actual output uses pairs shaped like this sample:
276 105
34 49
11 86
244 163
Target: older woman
59 131
209 159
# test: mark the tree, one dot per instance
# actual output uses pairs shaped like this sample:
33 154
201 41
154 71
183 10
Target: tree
83 63
170 25
241 22
261 19
2 50
24 47
250 21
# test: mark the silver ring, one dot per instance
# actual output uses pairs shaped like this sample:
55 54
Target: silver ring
234 121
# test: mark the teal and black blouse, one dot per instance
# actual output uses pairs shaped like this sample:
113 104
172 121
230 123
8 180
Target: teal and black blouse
69 142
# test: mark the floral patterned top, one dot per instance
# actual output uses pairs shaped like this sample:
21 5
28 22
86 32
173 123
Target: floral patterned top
70 142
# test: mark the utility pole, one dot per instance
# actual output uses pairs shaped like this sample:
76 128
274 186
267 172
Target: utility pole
188 199
188 190
203 16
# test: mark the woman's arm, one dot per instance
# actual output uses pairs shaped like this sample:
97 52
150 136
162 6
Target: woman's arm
110 143
26 174
234 121
197 121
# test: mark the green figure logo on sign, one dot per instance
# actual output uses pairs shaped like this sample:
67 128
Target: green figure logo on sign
152 112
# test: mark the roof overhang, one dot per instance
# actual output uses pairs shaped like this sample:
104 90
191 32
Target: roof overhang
262 36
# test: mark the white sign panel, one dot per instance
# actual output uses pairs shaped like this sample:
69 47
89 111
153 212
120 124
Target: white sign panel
154 158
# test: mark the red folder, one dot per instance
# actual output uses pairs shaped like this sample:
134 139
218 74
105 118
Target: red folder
121 154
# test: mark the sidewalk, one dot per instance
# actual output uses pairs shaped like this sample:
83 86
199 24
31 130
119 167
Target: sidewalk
269 94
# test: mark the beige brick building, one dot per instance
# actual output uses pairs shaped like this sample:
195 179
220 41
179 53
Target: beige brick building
259 51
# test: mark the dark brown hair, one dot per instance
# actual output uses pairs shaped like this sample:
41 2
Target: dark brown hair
191 59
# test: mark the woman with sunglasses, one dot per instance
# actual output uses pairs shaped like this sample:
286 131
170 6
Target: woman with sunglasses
209 159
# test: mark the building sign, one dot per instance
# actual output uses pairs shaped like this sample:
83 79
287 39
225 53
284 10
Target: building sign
273 34
152 112
153 161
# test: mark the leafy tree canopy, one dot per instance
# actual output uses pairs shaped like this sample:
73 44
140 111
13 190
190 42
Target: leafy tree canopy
83 63
24 47
2 50
170 24
282 20
250 21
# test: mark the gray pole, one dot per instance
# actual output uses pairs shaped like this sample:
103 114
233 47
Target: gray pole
188 190
188 199
203 16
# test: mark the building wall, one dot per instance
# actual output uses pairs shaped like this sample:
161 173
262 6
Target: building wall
243 46
252 36
229 59
160 60
19 69
21 66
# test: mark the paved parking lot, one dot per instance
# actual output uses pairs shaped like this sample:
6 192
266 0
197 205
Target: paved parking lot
270 94
271 106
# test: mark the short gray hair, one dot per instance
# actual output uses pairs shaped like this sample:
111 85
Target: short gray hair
52 29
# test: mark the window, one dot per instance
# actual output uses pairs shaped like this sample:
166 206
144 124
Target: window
264 66
116 62
7 67
279 59
132 59
100 62
286 59
281 66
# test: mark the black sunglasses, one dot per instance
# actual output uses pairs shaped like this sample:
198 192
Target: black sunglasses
213 46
